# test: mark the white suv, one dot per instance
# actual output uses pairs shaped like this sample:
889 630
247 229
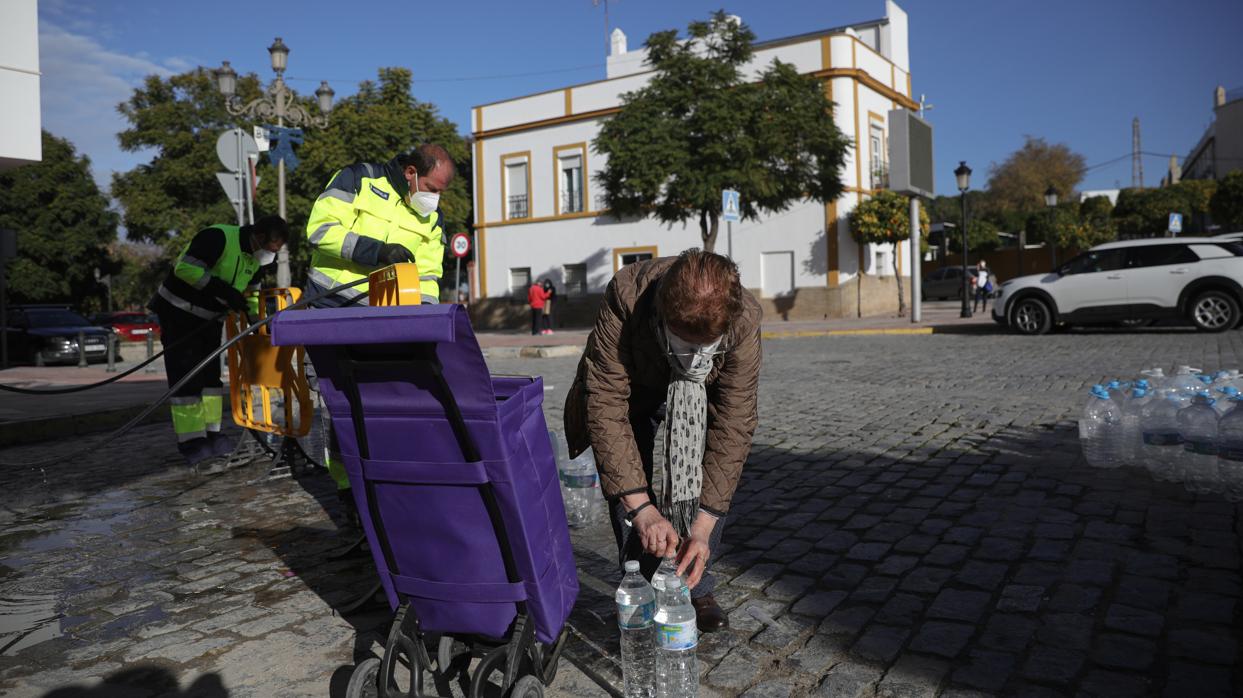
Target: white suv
1132 283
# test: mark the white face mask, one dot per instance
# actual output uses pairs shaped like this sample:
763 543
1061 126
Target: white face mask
423 201
264 257
693 358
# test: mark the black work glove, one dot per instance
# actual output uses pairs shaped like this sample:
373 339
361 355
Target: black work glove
392 253
231 296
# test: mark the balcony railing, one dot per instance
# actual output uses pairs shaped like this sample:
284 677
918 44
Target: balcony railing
571 202
518 206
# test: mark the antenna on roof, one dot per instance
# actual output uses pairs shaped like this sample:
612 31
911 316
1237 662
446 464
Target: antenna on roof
607 42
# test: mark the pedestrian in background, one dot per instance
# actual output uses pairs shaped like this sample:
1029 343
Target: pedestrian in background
551 290
983 285
536 297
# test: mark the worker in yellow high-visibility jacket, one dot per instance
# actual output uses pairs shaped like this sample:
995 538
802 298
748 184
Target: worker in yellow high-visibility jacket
370 216
374 215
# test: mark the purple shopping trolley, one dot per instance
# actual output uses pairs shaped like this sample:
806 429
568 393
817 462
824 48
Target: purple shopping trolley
457 491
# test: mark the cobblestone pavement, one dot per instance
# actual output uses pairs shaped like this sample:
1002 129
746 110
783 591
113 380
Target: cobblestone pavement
915 520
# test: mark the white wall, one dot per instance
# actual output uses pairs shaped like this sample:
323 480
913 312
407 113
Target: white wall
20 139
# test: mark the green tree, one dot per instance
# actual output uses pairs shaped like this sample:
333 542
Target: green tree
697 128
1019 183
982 230
63 227
1227 202
174 195
140 268
1144 213
885 218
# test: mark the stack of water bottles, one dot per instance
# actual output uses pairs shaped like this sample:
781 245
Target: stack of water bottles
580 483
1186 426
658 634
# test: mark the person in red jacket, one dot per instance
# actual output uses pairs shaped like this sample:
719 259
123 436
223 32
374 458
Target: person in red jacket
536 295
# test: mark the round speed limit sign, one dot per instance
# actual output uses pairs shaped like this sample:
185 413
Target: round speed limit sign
460 244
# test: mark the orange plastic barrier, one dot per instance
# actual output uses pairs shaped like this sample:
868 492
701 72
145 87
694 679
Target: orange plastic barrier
258 371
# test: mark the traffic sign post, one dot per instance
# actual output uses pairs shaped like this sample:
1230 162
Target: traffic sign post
460 245
731 210
1176 224
234 148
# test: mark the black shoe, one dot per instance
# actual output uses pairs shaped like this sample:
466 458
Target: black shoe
221 445
708 615
196 450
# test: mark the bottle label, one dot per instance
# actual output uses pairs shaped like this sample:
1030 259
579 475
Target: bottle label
1162 438
677 636
1203 448
580 480
630 616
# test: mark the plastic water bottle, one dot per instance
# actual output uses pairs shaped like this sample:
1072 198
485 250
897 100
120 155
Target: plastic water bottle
1155 376
580 483
1162 440
677 637
1118 390
1185 382
1197 424
636 611
1100 430
1230 450
1223 404
1129 452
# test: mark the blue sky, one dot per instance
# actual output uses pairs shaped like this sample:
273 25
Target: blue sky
1071 72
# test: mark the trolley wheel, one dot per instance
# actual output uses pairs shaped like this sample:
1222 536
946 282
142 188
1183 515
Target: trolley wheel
527 687
493 661
364 681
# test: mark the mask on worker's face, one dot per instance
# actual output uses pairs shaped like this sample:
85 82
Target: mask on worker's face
423 201
693 359
264 257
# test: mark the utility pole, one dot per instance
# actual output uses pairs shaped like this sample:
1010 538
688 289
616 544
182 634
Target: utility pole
1137 163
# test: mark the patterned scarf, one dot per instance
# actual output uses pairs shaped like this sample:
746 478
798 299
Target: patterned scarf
686 429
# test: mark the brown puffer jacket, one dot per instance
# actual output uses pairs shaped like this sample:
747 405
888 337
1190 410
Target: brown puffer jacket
624 375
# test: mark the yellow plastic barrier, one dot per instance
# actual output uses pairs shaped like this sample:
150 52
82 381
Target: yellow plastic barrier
257 370
395 285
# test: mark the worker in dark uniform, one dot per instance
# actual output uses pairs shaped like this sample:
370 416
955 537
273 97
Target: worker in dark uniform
211 277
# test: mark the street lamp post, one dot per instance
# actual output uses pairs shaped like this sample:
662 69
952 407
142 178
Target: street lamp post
1050 202
963 175
276 102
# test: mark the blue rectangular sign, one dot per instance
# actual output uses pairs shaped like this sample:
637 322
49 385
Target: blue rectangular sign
731 206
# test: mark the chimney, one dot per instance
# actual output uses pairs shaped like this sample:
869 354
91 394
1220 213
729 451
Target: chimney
1219 97
618 39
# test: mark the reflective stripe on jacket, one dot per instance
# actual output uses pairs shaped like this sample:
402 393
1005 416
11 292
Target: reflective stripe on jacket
360 210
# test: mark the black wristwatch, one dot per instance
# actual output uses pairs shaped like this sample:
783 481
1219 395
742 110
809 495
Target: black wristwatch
635 512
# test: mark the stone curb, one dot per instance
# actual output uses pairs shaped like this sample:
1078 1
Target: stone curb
27 431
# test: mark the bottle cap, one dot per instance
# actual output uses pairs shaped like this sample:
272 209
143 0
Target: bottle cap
1099 391
1139 392
1142 383
632 565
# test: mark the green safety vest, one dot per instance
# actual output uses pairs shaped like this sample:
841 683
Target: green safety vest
185 288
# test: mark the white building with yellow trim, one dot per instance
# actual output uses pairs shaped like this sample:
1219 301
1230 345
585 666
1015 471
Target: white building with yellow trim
538 213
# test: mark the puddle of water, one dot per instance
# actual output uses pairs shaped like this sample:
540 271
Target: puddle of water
26 620
30 609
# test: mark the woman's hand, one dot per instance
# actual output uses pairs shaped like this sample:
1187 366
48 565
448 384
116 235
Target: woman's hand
656 533
695 550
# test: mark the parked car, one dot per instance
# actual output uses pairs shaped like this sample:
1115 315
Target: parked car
48 334
946 282
130 325
1132 283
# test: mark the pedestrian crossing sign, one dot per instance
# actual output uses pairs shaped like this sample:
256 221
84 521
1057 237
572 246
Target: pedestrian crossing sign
730 206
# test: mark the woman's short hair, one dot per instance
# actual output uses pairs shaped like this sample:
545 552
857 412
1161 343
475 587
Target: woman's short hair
699 295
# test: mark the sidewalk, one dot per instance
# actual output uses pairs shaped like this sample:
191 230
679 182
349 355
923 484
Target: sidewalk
31 418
